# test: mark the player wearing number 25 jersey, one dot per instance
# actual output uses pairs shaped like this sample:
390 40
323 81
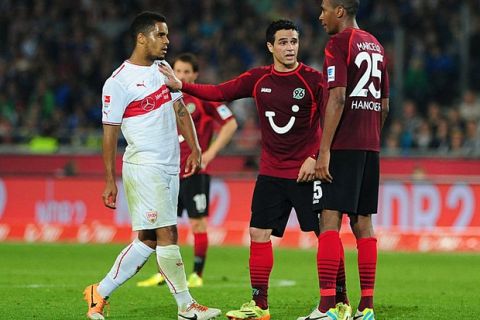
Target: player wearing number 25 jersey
348 162
354 59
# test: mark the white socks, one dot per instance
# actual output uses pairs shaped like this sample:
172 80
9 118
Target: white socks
129 261
132 258
171 267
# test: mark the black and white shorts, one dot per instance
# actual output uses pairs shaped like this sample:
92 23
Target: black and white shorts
354 189
194 196
273 200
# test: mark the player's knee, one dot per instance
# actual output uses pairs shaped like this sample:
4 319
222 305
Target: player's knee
198 225
148 237
362 226
150 243
260 235
332 227
330 220
167 235
330 224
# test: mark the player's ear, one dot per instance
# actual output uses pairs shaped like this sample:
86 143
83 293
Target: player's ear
270 47
340 11
141 38
195 76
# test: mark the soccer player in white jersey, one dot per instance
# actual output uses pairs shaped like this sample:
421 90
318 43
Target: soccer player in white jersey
136 99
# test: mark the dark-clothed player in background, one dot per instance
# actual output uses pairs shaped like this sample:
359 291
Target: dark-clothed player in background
195 190
348 162
288 96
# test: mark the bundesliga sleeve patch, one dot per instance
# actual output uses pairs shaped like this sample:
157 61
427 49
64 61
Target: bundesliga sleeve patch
224 112
331 73
106 106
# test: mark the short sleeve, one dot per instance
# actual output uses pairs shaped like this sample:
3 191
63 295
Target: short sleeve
114 102
335 64
176 95
218 111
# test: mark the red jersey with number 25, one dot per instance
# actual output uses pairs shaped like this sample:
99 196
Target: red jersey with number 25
356 60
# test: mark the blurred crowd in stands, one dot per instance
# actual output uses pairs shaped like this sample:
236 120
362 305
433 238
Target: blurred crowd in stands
56 54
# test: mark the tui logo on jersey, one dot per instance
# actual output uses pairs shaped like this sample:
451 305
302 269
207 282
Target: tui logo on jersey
281 130
299 93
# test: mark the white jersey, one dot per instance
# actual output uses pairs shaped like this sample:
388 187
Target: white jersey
137 98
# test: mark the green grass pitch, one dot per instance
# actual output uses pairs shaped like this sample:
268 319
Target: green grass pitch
45 281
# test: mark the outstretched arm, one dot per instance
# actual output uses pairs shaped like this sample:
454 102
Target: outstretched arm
237 88
187 129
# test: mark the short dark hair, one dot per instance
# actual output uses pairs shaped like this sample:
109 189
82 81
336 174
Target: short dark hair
351 6
279 25
187 58
144 22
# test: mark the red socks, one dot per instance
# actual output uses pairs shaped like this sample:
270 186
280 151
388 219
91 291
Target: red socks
328 261
341 292
261 264
200 246
331 270
367 265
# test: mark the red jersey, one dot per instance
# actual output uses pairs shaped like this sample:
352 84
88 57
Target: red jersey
205 115
288 105
355 59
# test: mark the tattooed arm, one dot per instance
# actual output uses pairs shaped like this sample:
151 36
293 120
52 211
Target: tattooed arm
187 129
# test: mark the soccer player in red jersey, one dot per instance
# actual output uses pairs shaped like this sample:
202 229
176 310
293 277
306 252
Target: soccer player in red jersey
288 96
348 162
195 190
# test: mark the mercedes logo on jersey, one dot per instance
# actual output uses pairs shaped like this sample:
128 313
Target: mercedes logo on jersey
148 104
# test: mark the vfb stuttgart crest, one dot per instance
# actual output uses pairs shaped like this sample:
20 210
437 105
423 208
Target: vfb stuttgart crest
298 93
152 216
